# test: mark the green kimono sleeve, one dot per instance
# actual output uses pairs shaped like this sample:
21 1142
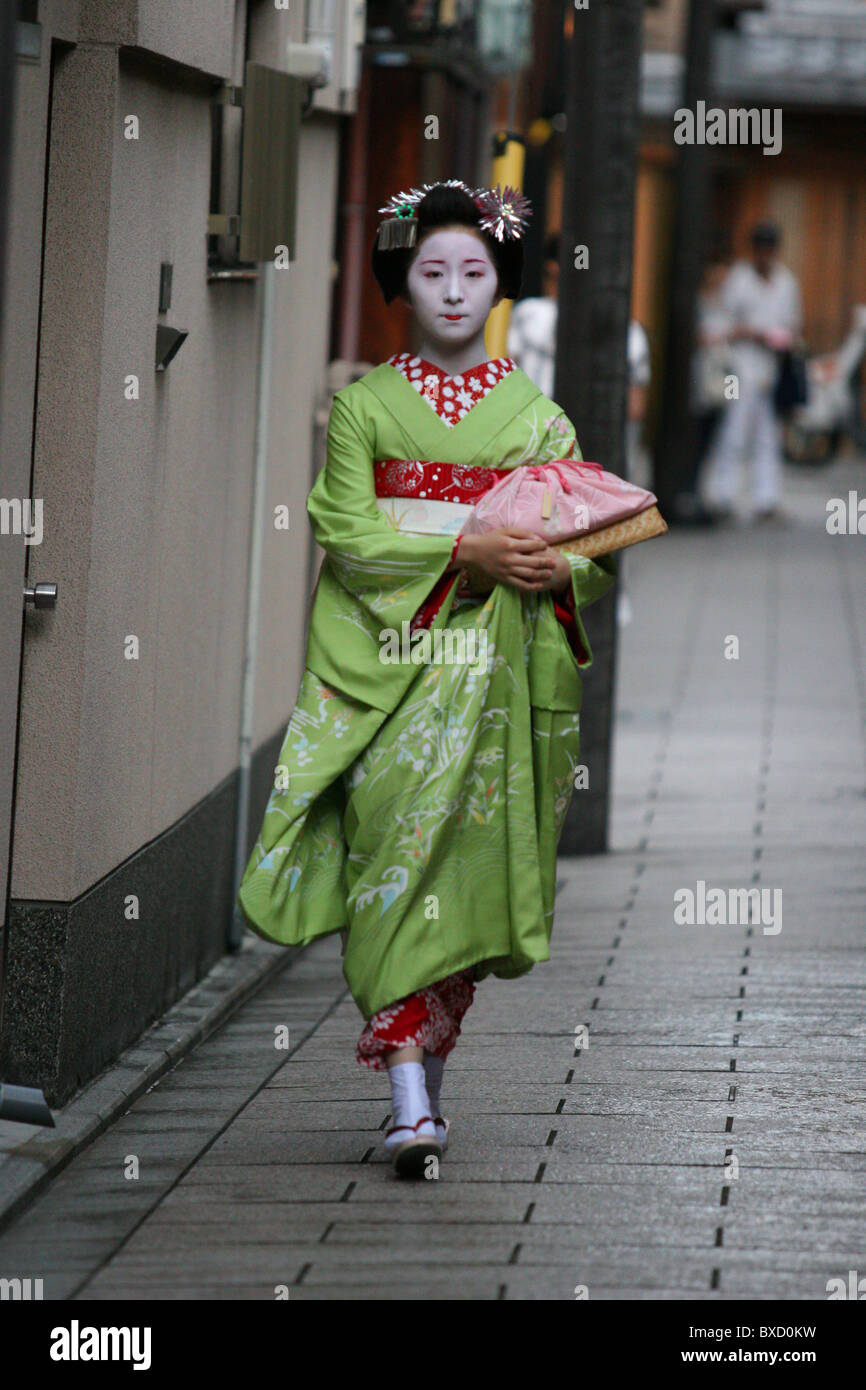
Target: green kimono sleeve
374 577
590 579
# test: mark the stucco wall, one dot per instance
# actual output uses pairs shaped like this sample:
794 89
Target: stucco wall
147 502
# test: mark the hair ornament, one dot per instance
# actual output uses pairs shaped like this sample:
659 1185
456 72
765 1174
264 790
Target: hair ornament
400 227
403 204
506 211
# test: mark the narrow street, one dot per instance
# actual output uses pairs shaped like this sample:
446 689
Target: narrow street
706 1143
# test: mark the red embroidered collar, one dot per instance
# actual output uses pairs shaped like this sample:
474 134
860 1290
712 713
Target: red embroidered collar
451 397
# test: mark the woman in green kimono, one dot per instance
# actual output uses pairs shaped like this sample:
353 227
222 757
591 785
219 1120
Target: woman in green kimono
418 800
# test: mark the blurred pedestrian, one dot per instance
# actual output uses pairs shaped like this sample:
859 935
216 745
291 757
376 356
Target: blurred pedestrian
762 299
711 373
532 325
639 377
532 345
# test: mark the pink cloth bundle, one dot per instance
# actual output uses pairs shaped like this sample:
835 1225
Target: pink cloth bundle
558 501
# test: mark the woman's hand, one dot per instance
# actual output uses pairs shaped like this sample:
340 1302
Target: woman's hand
561 577
513 556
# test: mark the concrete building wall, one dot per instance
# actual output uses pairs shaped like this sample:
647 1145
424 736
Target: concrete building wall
148 501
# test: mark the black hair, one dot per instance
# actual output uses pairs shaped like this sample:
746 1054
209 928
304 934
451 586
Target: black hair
448 207
766 234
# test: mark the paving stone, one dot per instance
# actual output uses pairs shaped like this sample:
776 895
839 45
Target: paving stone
605 1165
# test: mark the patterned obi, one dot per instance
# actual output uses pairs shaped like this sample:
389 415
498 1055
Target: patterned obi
423 496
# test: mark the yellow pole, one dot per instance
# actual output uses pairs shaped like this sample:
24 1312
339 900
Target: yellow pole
509 159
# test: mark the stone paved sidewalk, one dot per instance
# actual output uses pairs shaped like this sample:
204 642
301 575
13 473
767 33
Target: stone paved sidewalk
707 1143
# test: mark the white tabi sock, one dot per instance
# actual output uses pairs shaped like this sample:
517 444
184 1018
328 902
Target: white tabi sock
433 1069
409 1104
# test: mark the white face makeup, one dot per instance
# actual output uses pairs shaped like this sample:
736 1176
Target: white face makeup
451 286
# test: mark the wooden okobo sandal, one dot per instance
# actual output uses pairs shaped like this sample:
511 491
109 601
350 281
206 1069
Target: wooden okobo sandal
410 1157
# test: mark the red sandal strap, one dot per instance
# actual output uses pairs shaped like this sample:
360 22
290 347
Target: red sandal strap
395 1129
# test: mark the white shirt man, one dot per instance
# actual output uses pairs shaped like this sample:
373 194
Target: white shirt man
761 300
532 339
532 344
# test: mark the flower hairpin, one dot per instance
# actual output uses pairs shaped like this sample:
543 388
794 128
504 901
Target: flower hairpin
506 211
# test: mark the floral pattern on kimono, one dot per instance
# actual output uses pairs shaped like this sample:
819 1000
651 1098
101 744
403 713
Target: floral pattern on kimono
418 805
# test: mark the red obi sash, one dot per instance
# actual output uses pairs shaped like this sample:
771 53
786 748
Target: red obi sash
455 482
441 482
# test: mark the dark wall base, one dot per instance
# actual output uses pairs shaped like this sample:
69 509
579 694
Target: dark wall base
83 982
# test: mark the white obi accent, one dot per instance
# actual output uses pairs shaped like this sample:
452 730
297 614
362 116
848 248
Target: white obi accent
425 516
